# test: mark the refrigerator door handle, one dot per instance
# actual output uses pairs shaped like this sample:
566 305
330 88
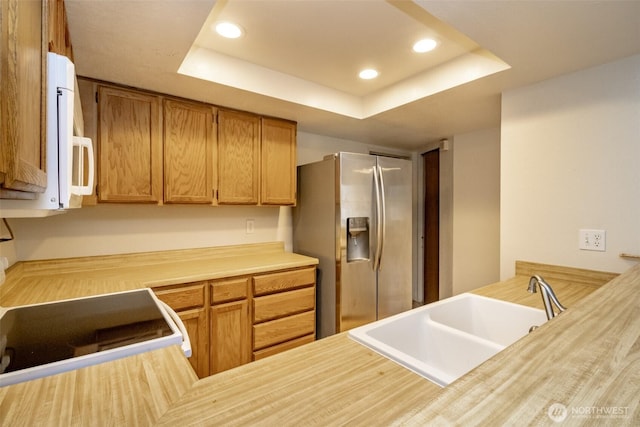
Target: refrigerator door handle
383 222
379 192
376 188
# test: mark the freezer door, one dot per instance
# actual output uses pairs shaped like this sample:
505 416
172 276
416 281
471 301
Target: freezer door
356 279
394 275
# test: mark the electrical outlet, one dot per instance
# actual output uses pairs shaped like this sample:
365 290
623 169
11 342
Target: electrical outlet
250 226
592 240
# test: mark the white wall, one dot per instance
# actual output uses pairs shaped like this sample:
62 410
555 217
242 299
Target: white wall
476 210
111 229
313 147
571 159
469 211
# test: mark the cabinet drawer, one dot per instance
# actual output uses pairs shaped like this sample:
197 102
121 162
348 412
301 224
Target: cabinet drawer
183 297
229 290
279 348
284 329
283 281
283 304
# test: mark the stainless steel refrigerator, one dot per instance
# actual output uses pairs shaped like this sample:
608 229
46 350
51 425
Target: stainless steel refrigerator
354 215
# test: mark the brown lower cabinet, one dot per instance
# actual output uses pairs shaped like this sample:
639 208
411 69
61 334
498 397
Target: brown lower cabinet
235 320
229 324
188 301
283 310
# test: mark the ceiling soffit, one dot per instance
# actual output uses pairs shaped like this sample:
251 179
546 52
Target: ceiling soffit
315 63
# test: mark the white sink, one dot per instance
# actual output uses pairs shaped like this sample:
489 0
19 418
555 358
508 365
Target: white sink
444 340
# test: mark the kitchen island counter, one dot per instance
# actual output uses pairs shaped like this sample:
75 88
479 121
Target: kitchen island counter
336 381
587 357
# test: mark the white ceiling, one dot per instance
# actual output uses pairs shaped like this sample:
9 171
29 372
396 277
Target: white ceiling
299 58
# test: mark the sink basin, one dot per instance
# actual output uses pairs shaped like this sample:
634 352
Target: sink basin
444 340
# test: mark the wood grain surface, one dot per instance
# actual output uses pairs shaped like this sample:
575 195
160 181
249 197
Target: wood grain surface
189 152
278 162
23 73
131 391
41 281
587 357
238 157
129 146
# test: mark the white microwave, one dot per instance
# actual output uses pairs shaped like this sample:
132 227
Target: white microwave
67 150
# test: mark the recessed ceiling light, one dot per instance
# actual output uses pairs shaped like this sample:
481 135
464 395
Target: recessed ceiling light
425 45
228 30
368 74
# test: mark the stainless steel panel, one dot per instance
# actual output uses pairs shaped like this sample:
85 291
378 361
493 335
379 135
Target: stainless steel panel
350 292
356 284
394 275
314 234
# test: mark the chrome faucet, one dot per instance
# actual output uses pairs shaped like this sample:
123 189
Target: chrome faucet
548 297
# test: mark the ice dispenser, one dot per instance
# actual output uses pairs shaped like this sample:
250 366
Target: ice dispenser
358 239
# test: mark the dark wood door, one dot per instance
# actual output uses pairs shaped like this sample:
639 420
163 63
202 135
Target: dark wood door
431 161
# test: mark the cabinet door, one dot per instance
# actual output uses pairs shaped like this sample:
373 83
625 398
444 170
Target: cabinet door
238 157
188 301
88 90
278 161
189 150
195 321
59 39
23 25
130 146
229 336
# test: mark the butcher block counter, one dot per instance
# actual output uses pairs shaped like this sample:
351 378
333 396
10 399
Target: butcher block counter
584 365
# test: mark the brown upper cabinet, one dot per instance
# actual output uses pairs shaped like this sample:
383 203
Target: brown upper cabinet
129 146
238 157
29 29
23 48
59 38
158 149
189 152
278 161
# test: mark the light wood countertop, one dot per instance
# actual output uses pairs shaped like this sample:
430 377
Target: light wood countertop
41 281
588 357
135 390
336 381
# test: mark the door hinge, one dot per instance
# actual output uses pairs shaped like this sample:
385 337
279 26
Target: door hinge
96 97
